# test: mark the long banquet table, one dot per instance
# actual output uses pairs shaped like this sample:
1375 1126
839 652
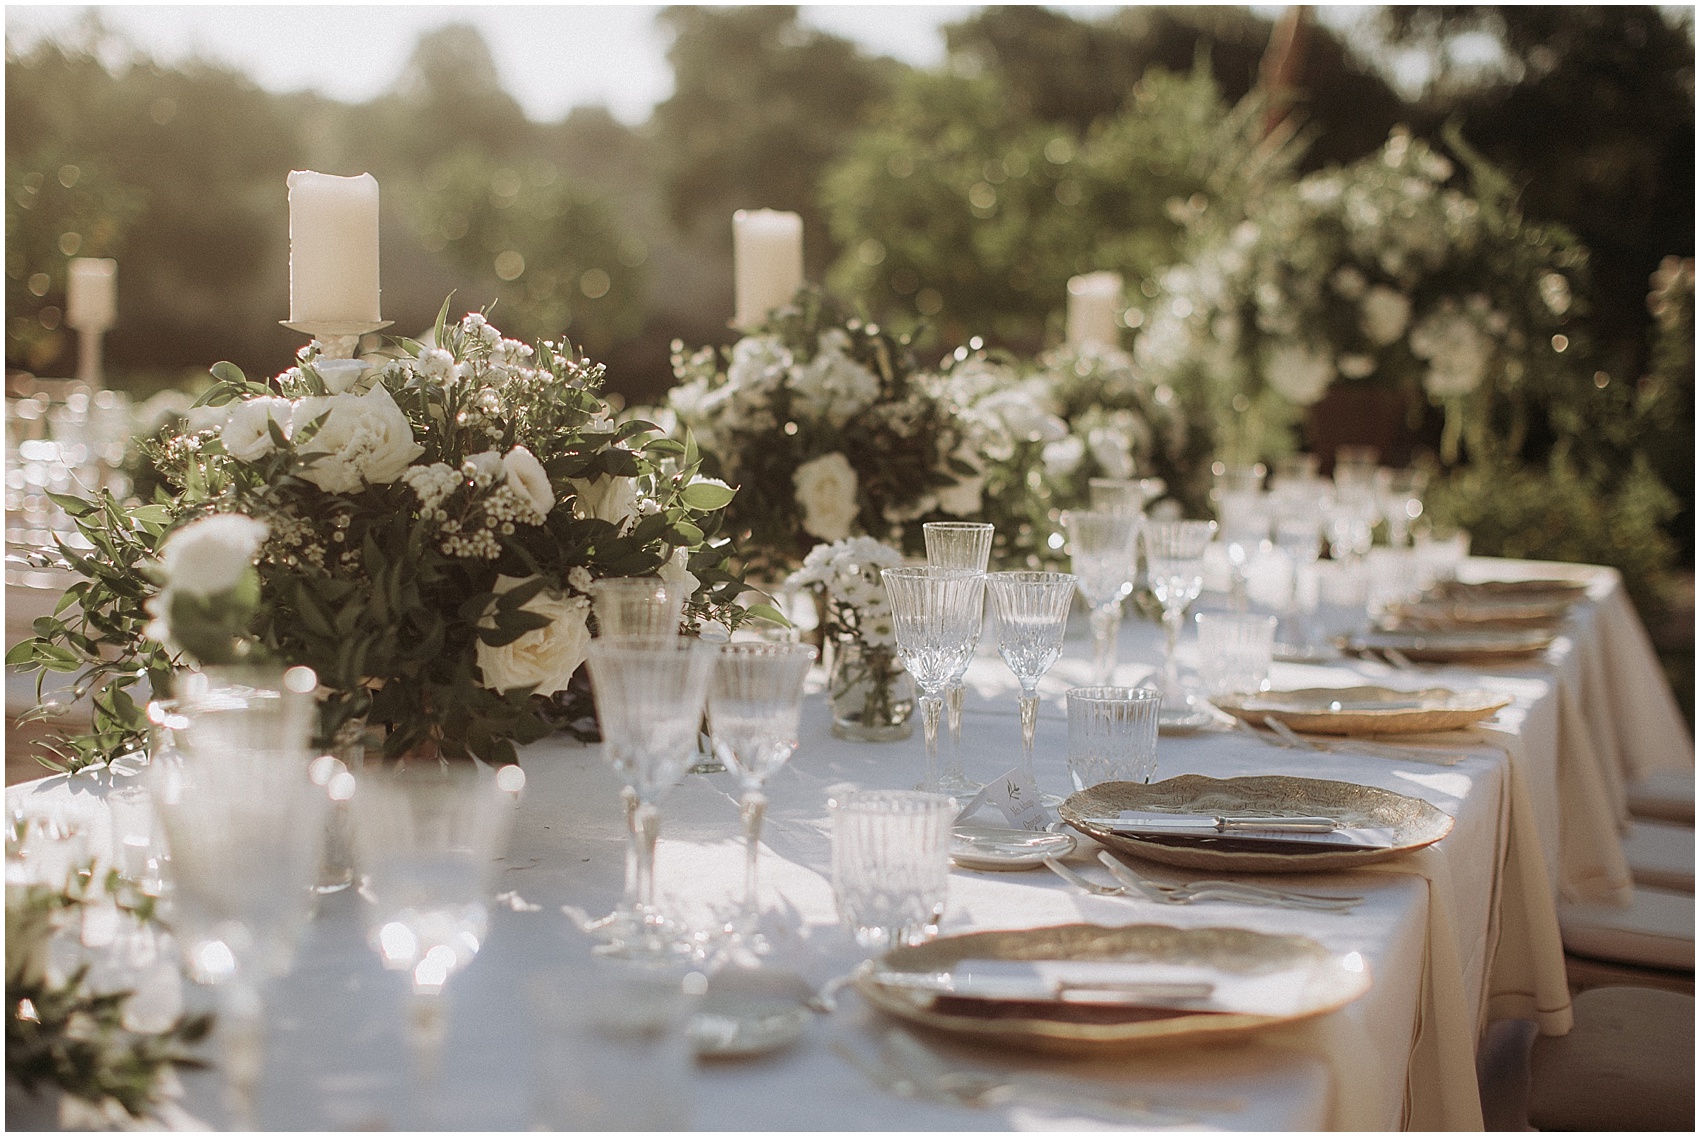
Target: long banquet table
1453 936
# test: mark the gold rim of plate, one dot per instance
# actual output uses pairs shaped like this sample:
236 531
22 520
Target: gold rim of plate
1330 982
1415 823
1549 589
1310 709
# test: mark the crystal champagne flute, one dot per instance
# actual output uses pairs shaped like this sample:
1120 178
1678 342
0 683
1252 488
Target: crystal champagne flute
1032 615
936 615
1101 552
1174 555
957 545
754 703
650 692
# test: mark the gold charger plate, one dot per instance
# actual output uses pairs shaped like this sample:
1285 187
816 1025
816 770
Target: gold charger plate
1464 645
1326 982
1414 822
1365 710
1443 614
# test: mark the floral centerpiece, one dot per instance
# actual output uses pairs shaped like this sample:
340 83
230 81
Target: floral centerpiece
1054 423
1383 271
421 528
872 695
828 430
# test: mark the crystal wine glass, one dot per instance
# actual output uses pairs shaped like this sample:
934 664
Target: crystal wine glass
245 828
936 615
650 692
427 836
631 606
1401 501
754 703
1032 615
957 545
1174 556
1244 523
1101 552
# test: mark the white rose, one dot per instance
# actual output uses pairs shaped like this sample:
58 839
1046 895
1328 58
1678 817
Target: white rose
826 489
209 556
1023 416
339 374
678 577
247 434
1112 449
365 441
544 658
1062 458
1298 373
605 498
1386 315
528 479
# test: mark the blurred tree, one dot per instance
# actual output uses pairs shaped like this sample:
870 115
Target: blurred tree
185 168
760 106
954 206
548 251
448 95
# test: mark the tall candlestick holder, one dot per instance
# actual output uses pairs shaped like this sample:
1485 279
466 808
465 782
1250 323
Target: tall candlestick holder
337 339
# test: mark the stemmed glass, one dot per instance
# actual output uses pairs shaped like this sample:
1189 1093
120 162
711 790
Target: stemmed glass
631 606
1298 530
245 827
427 836
1174 556
1244 524
650 692
754 702
1401 501
1032 615
957 545
936 615
1101 552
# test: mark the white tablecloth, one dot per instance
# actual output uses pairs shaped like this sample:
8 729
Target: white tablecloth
1452 937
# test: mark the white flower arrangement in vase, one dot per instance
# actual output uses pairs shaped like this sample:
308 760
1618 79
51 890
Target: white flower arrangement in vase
872 695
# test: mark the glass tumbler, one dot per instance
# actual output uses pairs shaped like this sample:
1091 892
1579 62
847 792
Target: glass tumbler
1235 650
891 864
1112 734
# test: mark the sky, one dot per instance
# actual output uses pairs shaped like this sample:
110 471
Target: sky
551 57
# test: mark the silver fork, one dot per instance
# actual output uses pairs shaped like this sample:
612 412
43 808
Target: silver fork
1226 890
1081 882
1293 740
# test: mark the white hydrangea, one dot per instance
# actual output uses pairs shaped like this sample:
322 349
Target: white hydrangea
832 386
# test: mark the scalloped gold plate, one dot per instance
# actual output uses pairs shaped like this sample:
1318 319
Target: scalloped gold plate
1414 822
1455 645
1365 710
1528 590
1327 983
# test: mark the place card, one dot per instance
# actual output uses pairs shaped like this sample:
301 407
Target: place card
1016 796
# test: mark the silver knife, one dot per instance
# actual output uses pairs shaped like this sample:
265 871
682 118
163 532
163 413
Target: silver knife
1221 823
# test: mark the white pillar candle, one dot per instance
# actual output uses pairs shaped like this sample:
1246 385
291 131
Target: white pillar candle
767 258
1093 301
333 250
91 294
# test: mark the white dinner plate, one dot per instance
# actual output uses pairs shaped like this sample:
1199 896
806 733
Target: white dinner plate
1006 850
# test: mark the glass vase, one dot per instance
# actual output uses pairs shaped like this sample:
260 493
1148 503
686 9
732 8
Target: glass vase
872 696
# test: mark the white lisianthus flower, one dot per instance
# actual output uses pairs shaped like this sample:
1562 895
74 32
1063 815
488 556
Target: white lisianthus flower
826 491
247 434
1386 314
527 478
678 576
210 556
1063 457
365 441
605 498
1298 373
544 658
339 375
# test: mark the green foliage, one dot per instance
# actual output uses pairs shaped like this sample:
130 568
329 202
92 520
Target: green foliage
62 1035
1558 513
953 204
